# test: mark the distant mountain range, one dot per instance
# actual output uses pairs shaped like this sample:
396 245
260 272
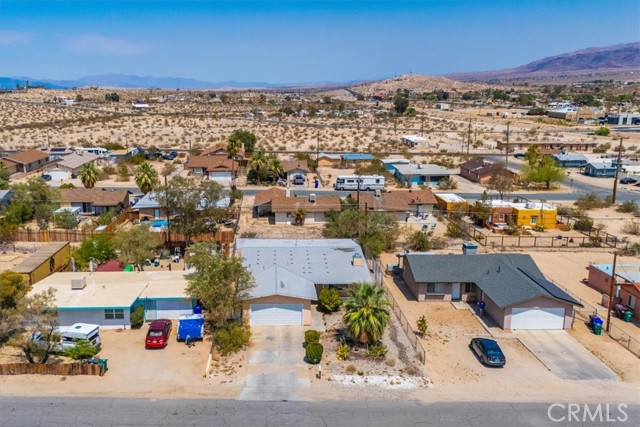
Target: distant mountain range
148 82
617 60
592 61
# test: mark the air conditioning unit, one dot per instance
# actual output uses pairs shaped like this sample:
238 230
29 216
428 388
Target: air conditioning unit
78 284
312 197
378 193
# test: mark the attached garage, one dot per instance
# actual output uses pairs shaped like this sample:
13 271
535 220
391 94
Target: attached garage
276 314
537 318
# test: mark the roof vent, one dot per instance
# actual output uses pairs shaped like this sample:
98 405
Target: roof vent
312 197
78 284
287 193
356 260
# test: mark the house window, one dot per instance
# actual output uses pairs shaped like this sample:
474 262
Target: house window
289 215
435 288
501 216
631 301
534 220
469 288
114 313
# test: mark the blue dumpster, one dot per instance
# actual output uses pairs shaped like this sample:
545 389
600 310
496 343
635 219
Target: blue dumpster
192 326
316 183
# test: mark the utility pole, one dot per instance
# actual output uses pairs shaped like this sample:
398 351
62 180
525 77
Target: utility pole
166 207
469 137
615 181
358 192
506 150
366 217
611 288
48 142
422 126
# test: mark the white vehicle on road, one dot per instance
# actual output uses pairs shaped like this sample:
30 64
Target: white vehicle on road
367 182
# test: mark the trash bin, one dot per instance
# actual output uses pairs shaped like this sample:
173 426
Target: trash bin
596 324
316 183
628 316
197 309
156 263
103 362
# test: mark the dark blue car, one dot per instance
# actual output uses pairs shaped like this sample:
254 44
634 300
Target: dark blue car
488 351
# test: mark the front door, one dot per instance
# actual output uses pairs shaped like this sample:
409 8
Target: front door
455 291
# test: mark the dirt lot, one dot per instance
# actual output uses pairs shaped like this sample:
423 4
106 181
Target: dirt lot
176 371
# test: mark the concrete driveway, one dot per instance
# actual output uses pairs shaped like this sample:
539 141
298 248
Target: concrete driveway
275 365
564 356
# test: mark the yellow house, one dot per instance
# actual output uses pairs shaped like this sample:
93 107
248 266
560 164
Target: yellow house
449 202
535 214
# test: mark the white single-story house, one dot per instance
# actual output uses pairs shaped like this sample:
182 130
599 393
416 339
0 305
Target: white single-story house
106 299
148 206
296 167
217 168
288 273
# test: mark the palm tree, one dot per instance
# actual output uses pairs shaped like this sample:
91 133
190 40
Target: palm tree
299 215
146 177
366 313
89 175
233 148
275 167
258 162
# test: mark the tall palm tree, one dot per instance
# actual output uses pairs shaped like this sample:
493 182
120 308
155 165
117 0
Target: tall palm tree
275 167
366 313
299 216
259 163
146 177
89 175
233 148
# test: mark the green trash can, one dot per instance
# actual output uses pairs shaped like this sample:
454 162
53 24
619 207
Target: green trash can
103 362
628 316
597 328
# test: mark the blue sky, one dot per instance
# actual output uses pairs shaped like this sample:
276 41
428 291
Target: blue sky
299 41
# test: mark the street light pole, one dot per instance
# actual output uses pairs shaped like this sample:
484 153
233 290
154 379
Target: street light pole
506 151
615 181
166 207
611 288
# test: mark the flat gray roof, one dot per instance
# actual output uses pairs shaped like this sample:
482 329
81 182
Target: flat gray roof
414 169
321 261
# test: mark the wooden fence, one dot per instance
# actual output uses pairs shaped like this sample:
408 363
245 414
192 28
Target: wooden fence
51 369
124 216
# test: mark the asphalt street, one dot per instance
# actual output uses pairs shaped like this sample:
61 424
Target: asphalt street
98 412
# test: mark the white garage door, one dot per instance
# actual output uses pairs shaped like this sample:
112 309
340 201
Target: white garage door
537 318
172 309
276 314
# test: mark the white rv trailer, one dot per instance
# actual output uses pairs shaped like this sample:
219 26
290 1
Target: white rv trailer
367 182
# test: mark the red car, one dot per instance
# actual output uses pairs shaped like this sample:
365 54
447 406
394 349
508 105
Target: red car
158 334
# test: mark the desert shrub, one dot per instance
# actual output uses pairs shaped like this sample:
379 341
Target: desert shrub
82 350
376 350
454 228
66 220
630 206
313 353
311 336
411 370
602 131
631 227
566 227
106 218
438 215
539 228
447 183
329 300
342 352
602 148
422 325
438 242
109 170
350 369
583 224
232 338
631 249
67 185
137 317
589 201
390 362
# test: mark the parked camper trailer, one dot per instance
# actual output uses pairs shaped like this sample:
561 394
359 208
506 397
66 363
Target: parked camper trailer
77 331
367 182
98 151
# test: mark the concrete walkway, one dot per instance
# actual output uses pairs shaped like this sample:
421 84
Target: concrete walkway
564 356
276 370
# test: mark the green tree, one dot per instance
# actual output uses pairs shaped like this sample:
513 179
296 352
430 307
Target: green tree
259 163
66 220
83 349
400 103
366 313
12 288
547 172
146 177
193 206
275 167
4 176
89 175
123 172
136 244
242 138
533 155
99 248
36 316
422 325
603 131
501 95
482 209
220 282
376 231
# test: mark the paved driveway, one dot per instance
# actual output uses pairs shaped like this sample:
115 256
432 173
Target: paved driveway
276 368
564 356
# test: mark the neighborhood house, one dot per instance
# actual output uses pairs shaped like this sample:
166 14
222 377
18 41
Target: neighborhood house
94 201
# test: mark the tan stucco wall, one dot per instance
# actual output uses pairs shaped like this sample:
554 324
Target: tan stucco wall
279 299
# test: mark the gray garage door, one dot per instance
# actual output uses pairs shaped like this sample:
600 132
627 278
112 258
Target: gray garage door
276 314
537 318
